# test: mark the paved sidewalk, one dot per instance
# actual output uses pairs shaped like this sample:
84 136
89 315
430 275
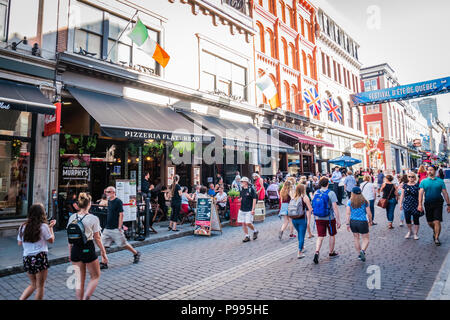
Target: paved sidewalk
11 253
441 286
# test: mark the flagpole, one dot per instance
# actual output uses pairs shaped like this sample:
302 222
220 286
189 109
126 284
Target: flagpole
115 43
265 71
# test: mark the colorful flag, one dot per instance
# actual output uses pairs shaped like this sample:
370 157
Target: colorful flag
312 101
333 109
139 35
266 85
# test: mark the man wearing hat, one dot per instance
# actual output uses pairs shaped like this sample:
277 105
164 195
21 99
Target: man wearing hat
247 211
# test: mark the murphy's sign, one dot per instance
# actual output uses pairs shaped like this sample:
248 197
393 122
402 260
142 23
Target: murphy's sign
406 92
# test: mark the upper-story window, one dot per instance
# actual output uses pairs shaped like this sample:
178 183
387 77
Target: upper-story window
223 76
370 85
272 6
98 32
281 10
285 52
302 26
260 41
293 55
358 119
3 19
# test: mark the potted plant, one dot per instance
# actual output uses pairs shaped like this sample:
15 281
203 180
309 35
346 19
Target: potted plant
235 205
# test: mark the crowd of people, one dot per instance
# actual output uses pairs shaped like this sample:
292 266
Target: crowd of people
304 203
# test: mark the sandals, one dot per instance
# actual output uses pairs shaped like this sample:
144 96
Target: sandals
437 242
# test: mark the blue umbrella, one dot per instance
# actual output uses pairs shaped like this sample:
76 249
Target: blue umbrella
294 163
345 161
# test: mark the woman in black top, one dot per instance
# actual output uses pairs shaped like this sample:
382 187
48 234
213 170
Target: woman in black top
409 201
390 193
175 204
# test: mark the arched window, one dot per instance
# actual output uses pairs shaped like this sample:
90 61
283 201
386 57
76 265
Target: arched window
260 44
292 58
294 99
311 66
287 92
305 64
272 6
285 51
358 119
271 42
281 12
341 108
260 74
302 26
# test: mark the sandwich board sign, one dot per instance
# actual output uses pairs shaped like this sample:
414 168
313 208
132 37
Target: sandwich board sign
206 217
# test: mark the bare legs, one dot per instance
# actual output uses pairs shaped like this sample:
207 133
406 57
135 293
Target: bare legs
94 272
320 241
365 241
37 282
287 222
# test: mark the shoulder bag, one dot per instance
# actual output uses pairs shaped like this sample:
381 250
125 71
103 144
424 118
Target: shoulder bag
383 203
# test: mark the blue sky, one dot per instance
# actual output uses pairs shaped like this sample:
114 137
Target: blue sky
411 35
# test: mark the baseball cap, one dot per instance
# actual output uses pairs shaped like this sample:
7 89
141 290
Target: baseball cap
356 190
245 179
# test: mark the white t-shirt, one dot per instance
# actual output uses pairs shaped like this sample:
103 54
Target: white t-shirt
33 248
91 224
368 190
221 198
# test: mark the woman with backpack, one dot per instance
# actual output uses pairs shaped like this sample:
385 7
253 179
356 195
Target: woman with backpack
390 195
34 235
298 208
285 196
359 218
83 229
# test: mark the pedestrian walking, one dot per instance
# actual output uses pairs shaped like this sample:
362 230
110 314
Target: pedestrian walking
113 231
326 214
82 252
432 189
390 194
247 211
422 173
259 184
349 183
34 236
380 181
336 179
286 195
403 180
409 201
298 208
359 218
369 193
175 192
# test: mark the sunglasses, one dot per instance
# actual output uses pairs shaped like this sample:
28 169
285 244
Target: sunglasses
109 191
411 177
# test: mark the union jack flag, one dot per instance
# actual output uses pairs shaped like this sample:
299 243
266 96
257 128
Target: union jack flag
312 101
333 109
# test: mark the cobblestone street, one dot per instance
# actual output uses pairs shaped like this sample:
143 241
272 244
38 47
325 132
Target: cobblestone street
222 267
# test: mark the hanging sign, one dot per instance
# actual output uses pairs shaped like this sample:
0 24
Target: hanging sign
52 122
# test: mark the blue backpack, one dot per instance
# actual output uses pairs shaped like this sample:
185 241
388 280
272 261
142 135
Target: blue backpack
320 204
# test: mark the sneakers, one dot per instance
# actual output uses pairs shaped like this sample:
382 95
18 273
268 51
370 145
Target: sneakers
246 239
103 266
362 256
408 235
416 237
333 254
255 235
292 236
137 257
300 255
280 235
316 258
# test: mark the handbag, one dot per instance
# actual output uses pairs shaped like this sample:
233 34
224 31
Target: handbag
383 203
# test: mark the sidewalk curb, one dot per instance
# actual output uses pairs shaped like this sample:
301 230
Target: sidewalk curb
135 244
442 281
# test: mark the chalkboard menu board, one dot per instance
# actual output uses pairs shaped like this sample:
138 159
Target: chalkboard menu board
205 216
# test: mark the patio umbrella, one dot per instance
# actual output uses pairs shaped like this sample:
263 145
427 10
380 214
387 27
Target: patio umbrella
294 163
345 161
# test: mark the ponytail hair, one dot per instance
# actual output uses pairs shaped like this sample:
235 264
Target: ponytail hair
176 178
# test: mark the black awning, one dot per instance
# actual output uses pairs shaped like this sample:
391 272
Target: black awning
23 97
124 118
238 134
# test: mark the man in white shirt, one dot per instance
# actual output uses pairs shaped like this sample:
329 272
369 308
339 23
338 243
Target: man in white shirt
336 178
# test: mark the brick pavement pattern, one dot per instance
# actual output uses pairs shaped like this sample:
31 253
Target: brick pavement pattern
222 267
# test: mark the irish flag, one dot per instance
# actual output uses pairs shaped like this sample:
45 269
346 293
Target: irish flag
266 85
139 35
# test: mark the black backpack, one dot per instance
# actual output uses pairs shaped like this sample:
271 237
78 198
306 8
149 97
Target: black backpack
75 232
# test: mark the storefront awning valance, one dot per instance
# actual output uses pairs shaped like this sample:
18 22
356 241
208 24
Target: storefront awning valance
238 134
306 139
124 118
23 97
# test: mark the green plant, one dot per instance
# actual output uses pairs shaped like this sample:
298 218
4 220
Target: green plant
233 193
153 149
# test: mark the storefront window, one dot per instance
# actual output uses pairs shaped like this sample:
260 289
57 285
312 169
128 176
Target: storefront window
15 123
14 177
